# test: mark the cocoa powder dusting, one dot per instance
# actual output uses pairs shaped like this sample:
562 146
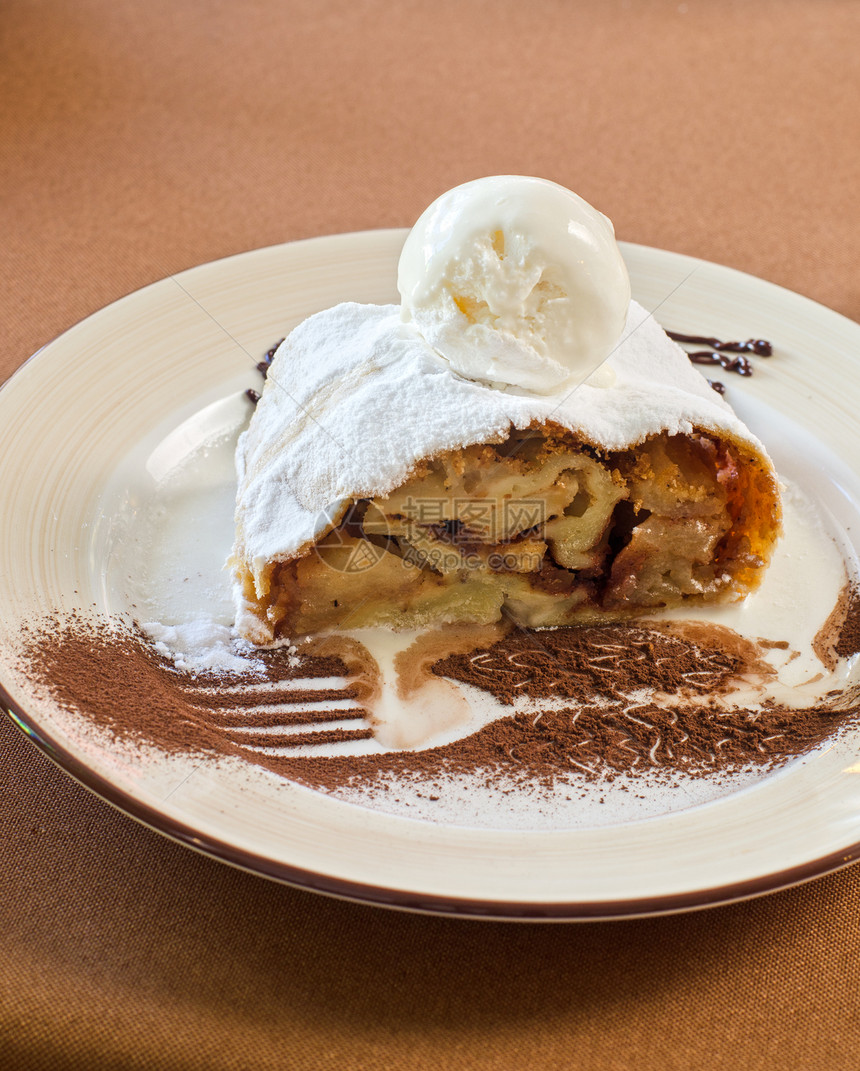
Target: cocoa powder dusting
619 698
116 679
849 635
588 661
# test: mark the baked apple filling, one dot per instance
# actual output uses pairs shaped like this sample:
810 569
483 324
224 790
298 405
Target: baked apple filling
541 528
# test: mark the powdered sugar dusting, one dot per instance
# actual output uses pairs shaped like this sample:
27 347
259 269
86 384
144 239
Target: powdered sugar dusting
202 645
355 399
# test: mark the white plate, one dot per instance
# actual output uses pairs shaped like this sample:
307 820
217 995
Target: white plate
85 426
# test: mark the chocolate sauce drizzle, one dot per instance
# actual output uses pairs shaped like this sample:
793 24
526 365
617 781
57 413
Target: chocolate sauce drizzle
752 345
730 356
263 369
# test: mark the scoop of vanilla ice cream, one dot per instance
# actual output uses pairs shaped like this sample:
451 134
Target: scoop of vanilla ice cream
515 281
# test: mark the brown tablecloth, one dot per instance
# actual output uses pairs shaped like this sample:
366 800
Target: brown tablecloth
140 139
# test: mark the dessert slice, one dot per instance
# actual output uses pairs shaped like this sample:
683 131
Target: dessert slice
379 487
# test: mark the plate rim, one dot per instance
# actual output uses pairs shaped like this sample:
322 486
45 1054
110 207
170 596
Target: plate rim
391 233
404 899
387 896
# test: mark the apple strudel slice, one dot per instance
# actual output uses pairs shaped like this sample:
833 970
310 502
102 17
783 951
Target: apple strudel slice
379 487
